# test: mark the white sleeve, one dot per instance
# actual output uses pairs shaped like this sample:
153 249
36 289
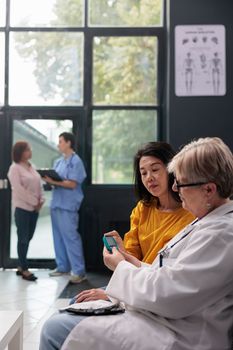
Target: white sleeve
200 275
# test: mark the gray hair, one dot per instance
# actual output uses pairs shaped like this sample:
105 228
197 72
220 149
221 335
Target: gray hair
207 159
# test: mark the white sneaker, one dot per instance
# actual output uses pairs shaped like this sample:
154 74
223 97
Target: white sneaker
56 273
77 279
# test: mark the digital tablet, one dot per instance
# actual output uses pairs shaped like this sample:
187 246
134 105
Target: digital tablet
50 173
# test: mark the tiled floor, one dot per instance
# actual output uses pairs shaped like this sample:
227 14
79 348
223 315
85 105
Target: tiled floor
38 300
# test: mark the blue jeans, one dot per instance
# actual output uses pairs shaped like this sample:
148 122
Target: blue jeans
56 329
26 224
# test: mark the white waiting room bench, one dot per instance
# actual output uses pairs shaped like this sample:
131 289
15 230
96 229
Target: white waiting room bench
11 330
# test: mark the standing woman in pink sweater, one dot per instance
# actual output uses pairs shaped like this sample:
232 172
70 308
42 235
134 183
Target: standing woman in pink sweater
27 200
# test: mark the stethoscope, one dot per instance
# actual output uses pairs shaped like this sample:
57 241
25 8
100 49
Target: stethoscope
69 164
165 252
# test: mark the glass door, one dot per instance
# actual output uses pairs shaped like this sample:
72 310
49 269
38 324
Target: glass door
42 135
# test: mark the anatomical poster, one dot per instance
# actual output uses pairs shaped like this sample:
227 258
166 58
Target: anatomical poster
200 60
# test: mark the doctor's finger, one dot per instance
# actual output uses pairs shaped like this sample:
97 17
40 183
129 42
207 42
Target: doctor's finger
84 292
95 294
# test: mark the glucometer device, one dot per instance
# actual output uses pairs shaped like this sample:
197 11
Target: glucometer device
109 243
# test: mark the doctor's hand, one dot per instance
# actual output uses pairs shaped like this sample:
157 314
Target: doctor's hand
91 294
111 260
48 179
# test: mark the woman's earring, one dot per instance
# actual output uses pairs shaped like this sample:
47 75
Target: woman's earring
208 206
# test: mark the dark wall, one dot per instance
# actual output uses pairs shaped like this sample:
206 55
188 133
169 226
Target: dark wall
193 117
105 208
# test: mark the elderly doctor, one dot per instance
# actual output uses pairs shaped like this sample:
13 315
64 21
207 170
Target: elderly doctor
184 300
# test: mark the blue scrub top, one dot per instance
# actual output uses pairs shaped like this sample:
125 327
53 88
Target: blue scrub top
71 168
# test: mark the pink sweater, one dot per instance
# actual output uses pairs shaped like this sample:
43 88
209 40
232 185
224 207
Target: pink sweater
26 186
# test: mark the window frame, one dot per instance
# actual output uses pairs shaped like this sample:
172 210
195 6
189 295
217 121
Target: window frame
124 32
88 107
96 211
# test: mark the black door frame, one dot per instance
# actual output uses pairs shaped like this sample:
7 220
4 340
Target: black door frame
7 117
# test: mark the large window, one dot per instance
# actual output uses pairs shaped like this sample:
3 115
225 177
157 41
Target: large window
125 70
46 68
93 67
125 13
117 134
2 13
102 57
47 13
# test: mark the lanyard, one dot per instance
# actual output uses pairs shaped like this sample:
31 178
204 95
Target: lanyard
165 253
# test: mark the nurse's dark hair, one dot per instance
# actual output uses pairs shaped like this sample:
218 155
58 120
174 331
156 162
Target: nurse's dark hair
68 136
165 153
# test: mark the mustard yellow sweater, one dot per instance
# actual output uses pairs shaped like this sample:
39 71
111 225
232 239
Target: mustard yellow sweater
151 229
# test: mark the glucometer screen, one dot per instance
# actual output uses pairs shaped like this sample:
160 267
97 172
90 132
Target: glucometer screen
111 241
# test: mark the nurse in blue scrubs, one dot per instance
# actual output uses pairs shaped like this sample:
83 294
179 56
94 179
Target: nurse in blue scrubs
66 200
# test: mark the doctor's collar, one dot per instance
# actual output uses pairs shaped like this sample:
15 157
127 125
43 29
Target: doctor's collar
67 156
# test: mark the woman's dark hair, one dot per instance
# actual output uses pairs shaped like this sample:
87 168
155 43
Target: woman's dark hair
165 153
18 149
67 136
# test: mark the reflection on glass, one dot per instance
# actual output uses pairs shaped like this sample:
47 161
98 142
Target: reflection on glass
117 134
2 67
47 13
125 70
2 13
129 13
46 68
43 137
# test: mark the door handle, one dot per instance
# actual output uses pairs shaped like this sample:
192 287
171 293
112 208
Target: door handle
3 184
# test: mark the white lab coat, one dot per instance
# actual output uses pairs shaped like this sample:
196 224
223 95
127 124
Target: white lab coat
185 305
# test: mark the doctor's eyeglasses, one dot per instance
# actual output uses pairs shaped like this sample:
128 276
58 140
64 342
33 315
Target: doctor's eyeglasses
178 185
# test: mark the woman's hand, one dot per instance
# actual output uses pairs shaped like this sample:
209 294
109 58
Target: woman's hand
128 257
38 206
117 238
91 294
111 260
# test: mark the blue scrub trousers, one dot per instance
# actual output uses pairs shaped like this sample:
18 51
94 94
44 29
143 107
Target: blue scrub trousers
67 241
